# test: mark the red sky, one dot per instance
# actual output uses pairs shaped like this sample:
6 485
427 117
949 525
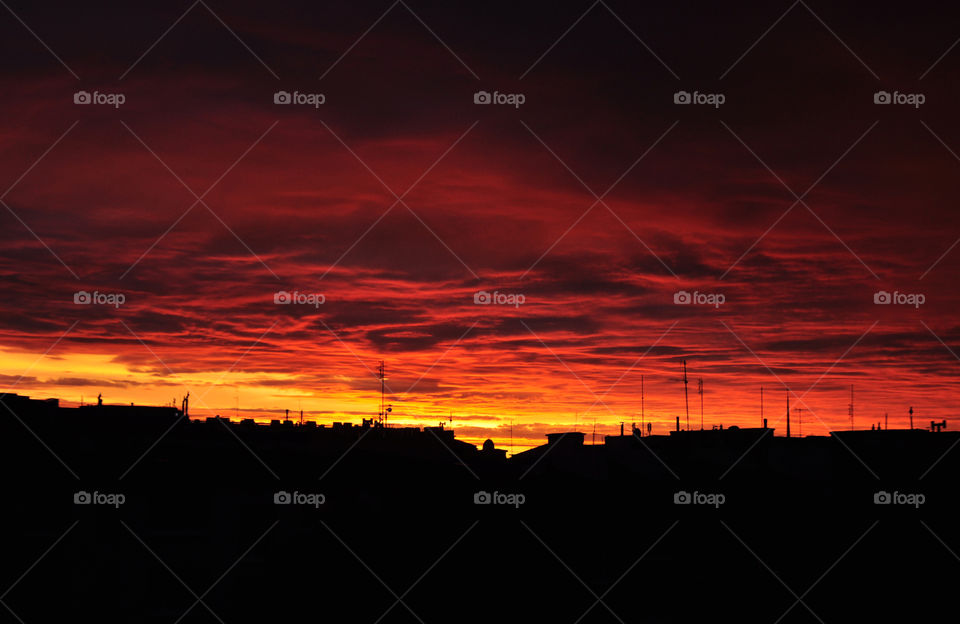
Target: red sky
501 199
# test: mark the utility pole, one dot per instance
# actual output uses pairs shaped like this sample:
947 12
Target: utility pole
911 418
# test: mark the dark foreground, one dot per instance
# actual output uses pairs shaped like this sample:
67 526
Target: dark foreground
392 526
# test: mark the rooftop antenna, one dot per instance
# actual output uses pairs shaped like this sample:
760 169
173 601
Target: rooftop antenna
593 438
911 417
700 390
384 409
788 413
380 374
851 407
686 398
511 437
641 404
761 406
800 415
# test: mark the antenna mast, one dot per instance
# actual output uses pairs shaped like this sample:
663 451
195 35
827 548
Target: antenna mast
641 404
686 398
384 409
700 390
851 407
788 413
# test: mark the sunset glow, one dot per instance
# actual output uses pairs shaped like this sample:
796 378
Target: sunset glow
399 199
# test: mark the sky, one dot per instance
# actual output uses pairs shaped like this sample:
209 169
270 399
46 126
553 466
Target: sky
519 265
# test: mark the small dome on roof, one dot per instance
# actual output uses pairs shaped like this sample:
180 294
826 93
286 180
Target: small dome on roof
488 445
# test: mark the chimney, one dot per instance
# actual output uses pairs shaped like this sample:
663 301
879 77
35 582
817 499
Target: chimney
678 423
